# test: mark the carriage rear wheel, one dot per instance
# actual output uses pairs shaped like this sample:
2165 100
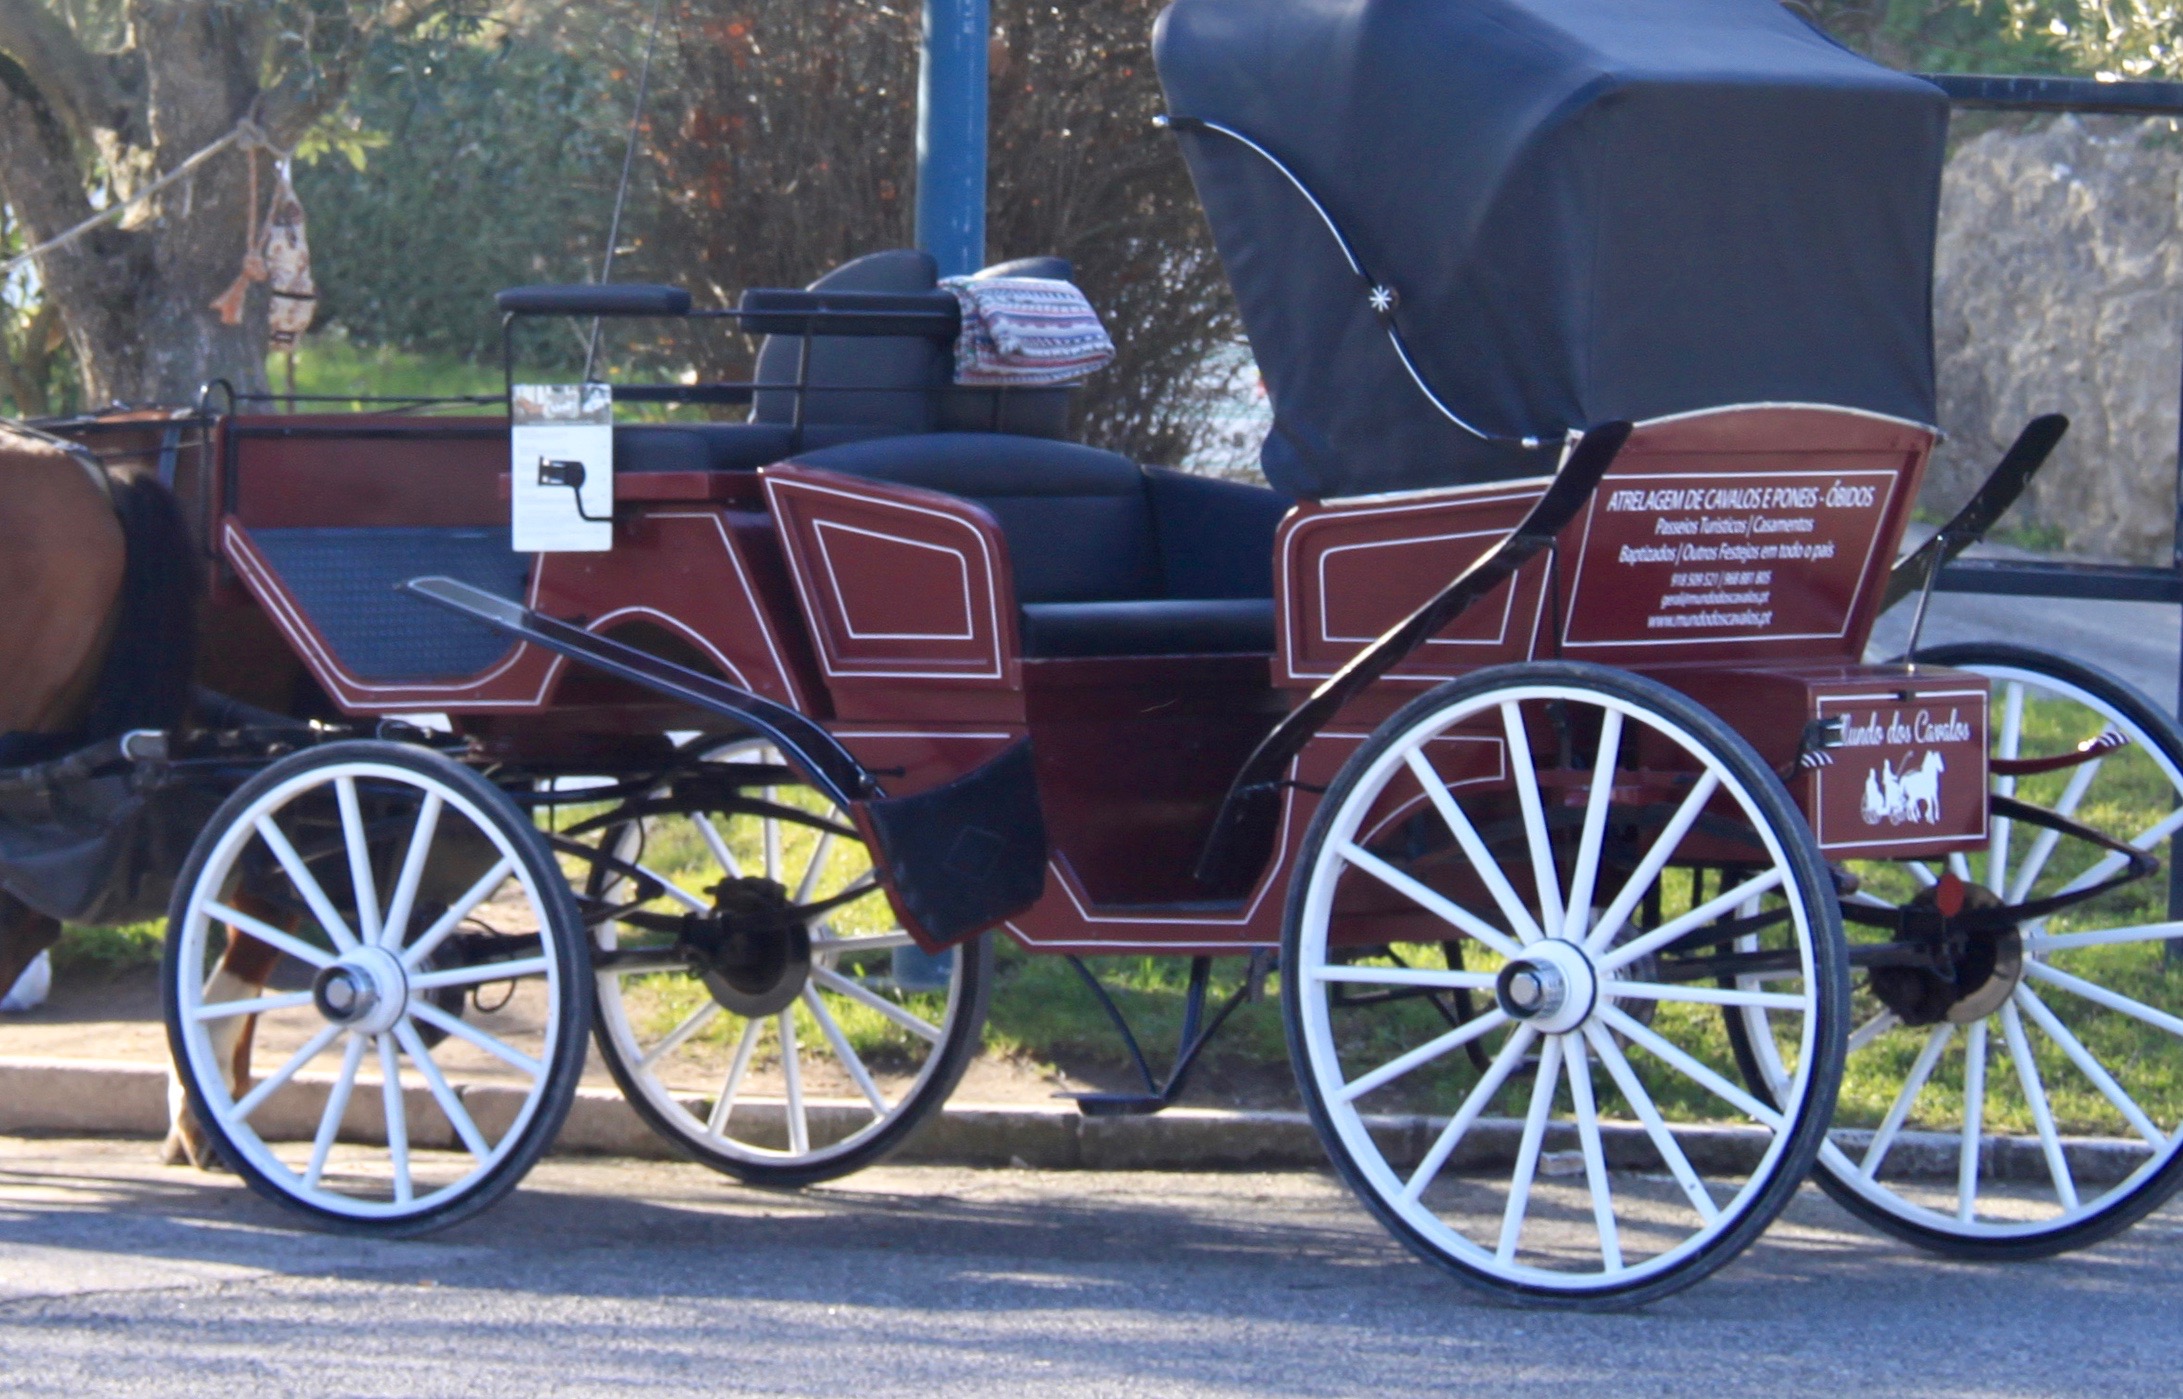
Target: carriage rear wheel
397 918
1974 1109
806 1048
1480 933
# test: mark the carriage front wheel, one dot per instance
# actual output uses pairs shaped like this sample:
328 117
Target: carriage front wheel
385 927
1503 1011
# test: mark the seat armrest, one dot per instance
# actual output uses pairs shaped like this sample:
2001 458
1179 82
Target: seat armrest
929 315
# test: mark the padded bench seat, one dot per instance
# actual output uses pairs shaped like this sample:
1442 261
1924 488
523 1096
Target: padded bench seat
1109 558
1147 627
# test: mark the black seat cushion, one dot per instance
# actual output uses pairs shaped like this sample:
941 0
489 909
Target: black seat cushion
1151 627
1110 559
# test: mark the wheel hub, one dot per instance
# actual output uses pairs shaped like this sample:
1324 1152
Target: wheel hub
1552 987
754 955
365 992
1975 970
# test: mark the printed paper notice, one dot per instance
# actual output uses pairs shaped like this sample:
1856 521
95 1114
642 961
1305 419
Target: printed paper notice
561 478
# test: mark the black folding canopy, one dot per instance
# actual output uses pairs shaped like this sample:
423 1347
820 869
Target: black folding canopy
1584 210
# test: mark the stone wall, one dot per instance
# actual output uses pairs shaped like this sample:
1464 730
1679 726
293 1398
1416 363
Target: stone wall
2060 288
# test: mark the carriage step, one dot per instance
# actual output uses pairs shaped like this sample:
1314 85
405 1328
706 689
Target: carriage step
1117 1104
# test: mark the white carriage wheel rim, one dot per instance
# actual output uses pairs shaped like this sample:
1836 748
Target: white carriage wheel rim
1874 1190
687 1124
1317 1026
211 1081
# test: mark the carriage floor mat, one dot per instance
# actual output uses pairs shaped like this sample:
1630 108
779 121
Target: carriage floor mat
960 858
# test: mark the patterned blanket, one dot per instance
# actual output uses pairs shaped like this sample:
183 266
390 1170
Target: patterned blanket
1026 331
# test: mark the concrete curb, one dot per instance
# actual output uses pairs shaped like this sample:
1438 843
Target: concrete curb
106 1098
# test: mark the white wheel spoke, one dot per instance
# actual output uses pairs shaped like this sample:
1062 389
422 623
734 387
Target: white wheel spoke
1923 873
1898 1111
669 889
1974 1121
1526 771
1543 1089
2042 1114
2143 932
714 842
771 830
1656 859
1960 867
1705 995
1577 1062
695 1021
1872 1029
482 973
337 1107
460 909
450 1103
1481 1095
717 1122
1585 880
1648 1113
2100 995
834 981
390 1069
1432 1049
843 1051
514 1058
1676 928
1631 1029
256 1005
299 874
1403 976
361 883
799 1128
2035 863
271 1083
269 935
1432 901
2012 729
1474 849
2090 1067
413 863
878 942
817 867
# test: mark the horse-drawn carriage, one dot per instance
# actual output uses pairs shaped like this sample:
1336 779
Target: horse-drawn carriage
1527 720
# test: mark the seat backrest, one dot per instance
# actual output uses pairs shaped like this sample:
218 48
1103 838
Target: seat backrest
1078 520
907 372
1024 412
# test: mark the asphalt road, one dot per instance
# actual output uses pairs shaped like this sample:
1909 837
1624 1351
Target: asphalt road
2135 641
118 1277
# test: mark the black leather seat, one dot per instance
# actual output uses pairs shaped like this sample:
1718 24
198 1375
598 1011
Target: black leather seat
860 386
1110 558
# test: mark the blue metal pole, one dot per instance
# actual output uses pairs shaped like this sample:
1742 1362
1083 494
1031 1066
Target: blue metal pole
951 93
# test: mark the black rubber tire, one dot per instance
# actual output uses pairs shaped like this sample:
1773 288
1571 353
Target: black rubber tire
960 1041
564 935
2153 722
1829 957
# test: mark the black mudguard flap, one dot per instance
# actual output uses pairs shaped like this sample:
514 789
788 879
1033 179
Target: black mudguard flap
960 858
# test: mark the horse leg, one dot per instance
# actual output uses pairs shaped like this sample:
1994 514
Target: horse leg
242 973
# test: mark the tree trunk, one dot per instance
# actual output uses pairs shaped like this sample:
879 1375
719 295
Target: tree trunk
136 297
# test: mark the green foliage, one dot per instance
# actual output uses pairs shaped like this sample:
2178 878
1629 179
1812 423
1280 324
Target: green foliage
460 168
86 953
1947 36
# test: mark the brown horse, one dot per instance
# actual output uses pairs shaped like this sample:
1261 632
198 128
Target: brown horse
98 595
